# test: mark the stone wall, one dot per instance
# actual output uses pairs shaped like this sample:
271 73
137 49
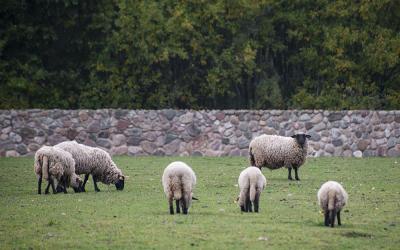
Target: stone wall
208 133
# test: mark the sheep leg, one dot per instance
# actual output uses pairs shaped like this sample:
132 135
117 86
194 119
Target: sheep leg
184 206
248 204
338 219
256 202
84 182
326 218
332 214
290 173
52 186
46 191
171 205
40 185
296 176
96 188
65 185
178 209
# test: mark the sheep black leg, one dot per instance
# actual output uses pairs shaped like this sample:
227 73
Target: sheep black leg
178 209
249 209
65 185
46 191
332 214
84 182
171 206
256 202
246 204
326 218
338 219
290 173
295 173
184 206
40 185
96 188
52 186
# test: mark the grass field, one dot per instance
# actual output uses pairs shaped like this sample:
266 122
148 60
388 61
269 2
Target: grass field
138 217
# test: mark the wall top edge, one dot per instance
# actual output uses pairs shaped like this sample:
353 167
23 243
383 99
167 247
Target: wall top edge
205 110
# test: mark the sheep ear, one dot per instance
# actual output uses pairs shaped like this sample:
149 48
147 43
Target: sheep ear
122 178
294 136
194 198
308 136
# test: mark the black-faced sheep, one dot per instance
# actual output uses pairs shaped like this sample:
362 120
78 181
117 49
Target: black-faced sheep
251 183
54 164
273 152
94 161
178 181
332 198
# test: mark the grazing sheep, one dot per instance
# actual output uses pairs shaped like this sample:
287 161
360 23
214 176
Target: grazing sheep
94 161
179 181
54 164
332 198
251 183
273 152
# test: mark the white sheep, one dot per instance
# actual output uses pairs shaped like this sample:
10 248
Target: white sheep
251 183
179 181
332 198
94 161
273 152
54 164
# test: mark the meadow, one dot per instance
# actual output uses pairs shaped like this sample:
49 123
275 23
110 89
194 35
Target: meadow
138 217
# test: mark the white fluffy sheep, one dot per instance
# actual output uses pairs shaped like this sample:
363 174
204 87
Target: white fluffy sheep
179 181
251 183
332 198
94 161
273 152
55 164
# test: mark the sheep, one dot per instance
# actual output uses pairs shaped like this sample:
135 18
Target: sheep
54 164
273 152
179 181
332 198
251 183
94 161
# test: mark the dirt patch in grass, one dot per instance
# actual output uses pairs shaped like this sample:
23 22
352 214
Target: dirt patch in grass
353 234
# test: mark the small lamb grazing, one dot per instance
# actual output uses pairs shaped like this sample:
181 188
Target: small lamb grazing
332 198
273 152
94 161
251 183
54 164
179 181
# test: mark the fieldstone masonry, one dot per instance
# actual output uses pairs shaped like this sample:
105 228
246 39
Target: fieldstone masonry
358 133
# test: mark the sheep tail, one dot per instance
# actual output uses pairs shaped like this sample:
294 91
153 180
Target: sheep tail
252 160
252 192
45 167
177 187
331 200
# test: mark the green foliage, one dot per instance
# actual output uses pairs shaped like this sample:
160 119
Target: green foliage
138 217
200 54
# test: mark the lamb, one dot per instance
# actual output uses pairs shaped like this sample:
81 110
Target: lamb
94 161
274 152
332 198
251 183
54 164
179 181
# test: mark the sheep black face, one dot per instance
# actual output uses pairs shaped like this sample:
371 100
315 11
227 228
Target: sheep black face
301 138
120 183
80 186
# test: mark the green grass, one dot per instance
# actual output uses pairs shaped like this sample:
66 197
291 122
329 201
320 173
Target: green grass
138 217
